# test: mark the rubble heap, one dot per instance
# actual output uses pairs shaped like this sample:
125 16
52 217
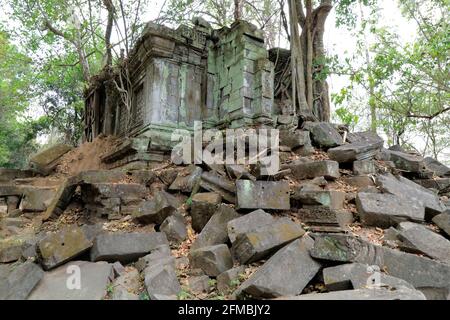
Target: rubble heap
344 218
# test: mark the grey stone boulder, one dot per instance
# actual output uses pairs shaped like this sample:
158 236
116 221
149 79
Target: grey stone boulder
214 182
199 284
36 199
385 210
294 139
411 191
215 231
405 161
213 260
312 169
160 255
358 276
381 293
324 134
125 247
187 179
248 222
438 168
174 227
286 273
58 248
419 271
11 249
46 160
62 282
161 282
354 151
362 145
262 195
239 171
427 242
443 222
18 280
127 285
156 210
228 280
260 242
330 198
204 205
325 219
361 167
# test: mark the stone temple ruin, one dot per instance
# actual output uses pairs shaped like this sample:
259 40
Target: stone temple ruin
343 217
223 78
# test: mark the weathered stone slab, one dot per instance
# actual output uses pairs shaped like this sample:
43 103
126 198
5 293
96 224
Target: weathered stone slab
46 160
411 191
264 240
199 284
58 248
161 282
62 198
329 198
7 175
213 260
187 179
227 279
204 205
159 255
248 222
427 242
309 170
324 134
262 195
385 210
419 271
126 286
11 249
215 231
438 168
216 183
359 276
354 151
406 161
125 247
442 185
287 272
443 222
174 227
361 167
36 199
94 278
363 294
294 139
321 218
18 280
157 209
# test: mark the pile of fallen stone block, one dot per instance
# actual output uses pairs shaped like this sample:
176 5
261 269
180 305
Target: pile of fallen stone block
229 231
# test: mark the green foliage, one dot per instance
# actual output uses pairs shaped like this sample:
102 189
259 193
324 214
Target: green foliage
212 282
184 295
347 117
406 83
144 296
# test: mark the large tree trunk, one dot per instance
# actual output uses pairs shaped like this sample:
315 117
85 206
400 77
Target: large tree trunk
321 100
237 9
308 58
298 69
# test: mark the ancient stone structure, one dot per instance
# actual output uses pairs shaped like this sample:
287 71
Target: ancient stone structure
220 77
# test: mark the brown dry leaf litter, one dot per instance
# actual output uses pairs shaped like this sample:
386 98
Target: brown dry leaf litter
374 235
